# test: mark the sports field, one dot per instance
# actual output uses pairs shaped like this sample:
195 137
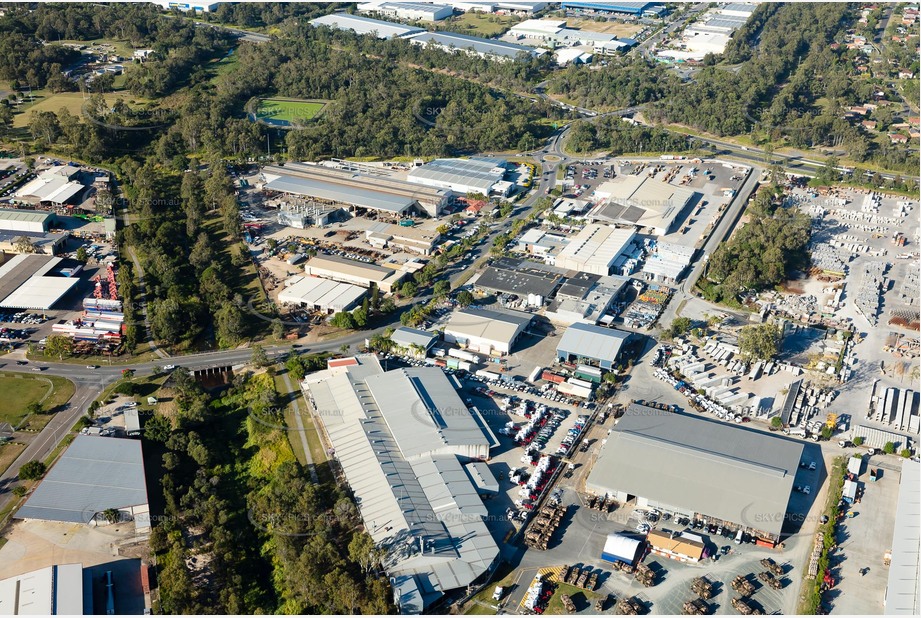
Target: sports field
284 112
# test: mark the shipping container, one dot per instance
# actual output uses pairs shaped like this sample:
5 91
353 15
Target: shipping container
592 374
549 376
464 355
452 363
582 383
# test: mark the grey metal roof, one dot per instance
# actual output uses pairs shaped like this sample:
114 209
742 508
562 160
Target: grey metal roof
518 281
477 44
32 216
365 25
482 477
406 336
335 192
478 172
489 324
595 342
423 411
93 474
903 594
717 469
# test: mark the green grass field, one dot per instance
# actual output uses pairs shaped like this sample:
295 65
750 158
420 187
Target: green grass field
16 394
287 111
47 102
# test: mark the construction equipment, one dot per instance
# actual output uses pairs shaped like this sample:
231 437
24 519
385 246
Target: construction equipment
628 607
744 608
573 576
768 578
744 587
583 577
568 604
645 575
695 607
702 587
592 581
772 566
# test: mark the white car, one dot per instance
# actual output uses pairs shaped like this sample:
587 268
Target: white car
642 528
169 367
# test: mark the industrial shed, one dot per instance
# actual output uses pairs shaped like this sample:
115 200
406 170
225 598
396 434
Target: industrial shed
595 249
410 11
94 474
473 175
365 25
318 294
485 330
642 201
593 345
518 277
29 281
406 338
357 273
399 437
24 220
704 469
622 548
56 590
474 45
903 595
57 185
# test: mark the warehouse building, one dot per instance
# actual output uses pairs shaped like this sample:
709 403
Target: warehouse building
413 341
29 281
473 45
410 11
415 239
473 175
554 33
683 546
642 201
595 249
587 344
323 295
72 491
488 331
512 276
56 186
541 244
903 595
356 190
703 470
365 26
57 590
668 261
622 548
23 220
402 438
627 8
585 298
357 273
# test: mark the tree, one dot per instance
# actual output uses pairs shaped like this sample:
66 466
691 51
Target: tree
59 345
442 288
127 373
158 428
906 453
408 289
259 357
111 515
826 432
24 244
81 255
776 423
278 329
889 448
858 441
32 470
360 316
758 341
19 491
343 319
679 326
35 408
464 298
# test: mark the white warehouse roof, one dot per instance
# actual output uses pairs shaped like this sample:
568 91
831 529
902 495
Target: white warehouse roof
53 590
463 175
323 293
595 248
903 595
365 25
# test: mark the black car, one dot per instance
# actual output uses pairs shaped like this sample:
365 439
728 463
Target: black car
22 362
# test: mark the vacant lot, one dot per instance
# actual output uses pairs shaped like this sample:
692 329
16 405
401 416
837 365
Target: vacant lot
608 27
287 111
481 24
17 393
71 101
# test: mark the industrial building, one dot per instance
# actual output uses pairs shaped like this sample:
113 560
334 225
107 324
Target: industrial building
668 261
642 201
473 45
699 468
512 276
899 408
410 11
645 9
414 239
413 341
554 33
34 225
680 546
197 7
23 220
56 590
355 189
72 492
488 331
365 25
622 548
591 345
595 249
473 175
358 273
29 281
323 295
55 186
903 595
402 439
585 298
540 244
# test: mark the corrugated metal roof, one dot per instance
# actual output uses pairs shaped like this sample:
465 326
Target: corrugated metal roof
479 45
492 325
903 594
720 470
93 474
339 193
365 25
345 266
594 342
595 248
480 173
406 336
32 216
325 293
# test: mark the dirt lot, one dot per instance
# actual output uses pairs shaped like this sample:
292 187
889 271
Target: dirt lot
616 28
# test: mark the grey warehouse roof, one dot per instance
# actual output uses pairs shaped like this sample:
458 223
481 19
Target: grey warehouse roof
589 341
477 44
32 216
334 192
93 474
903 594
480 172
365 25
735 474
406 336
516 280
